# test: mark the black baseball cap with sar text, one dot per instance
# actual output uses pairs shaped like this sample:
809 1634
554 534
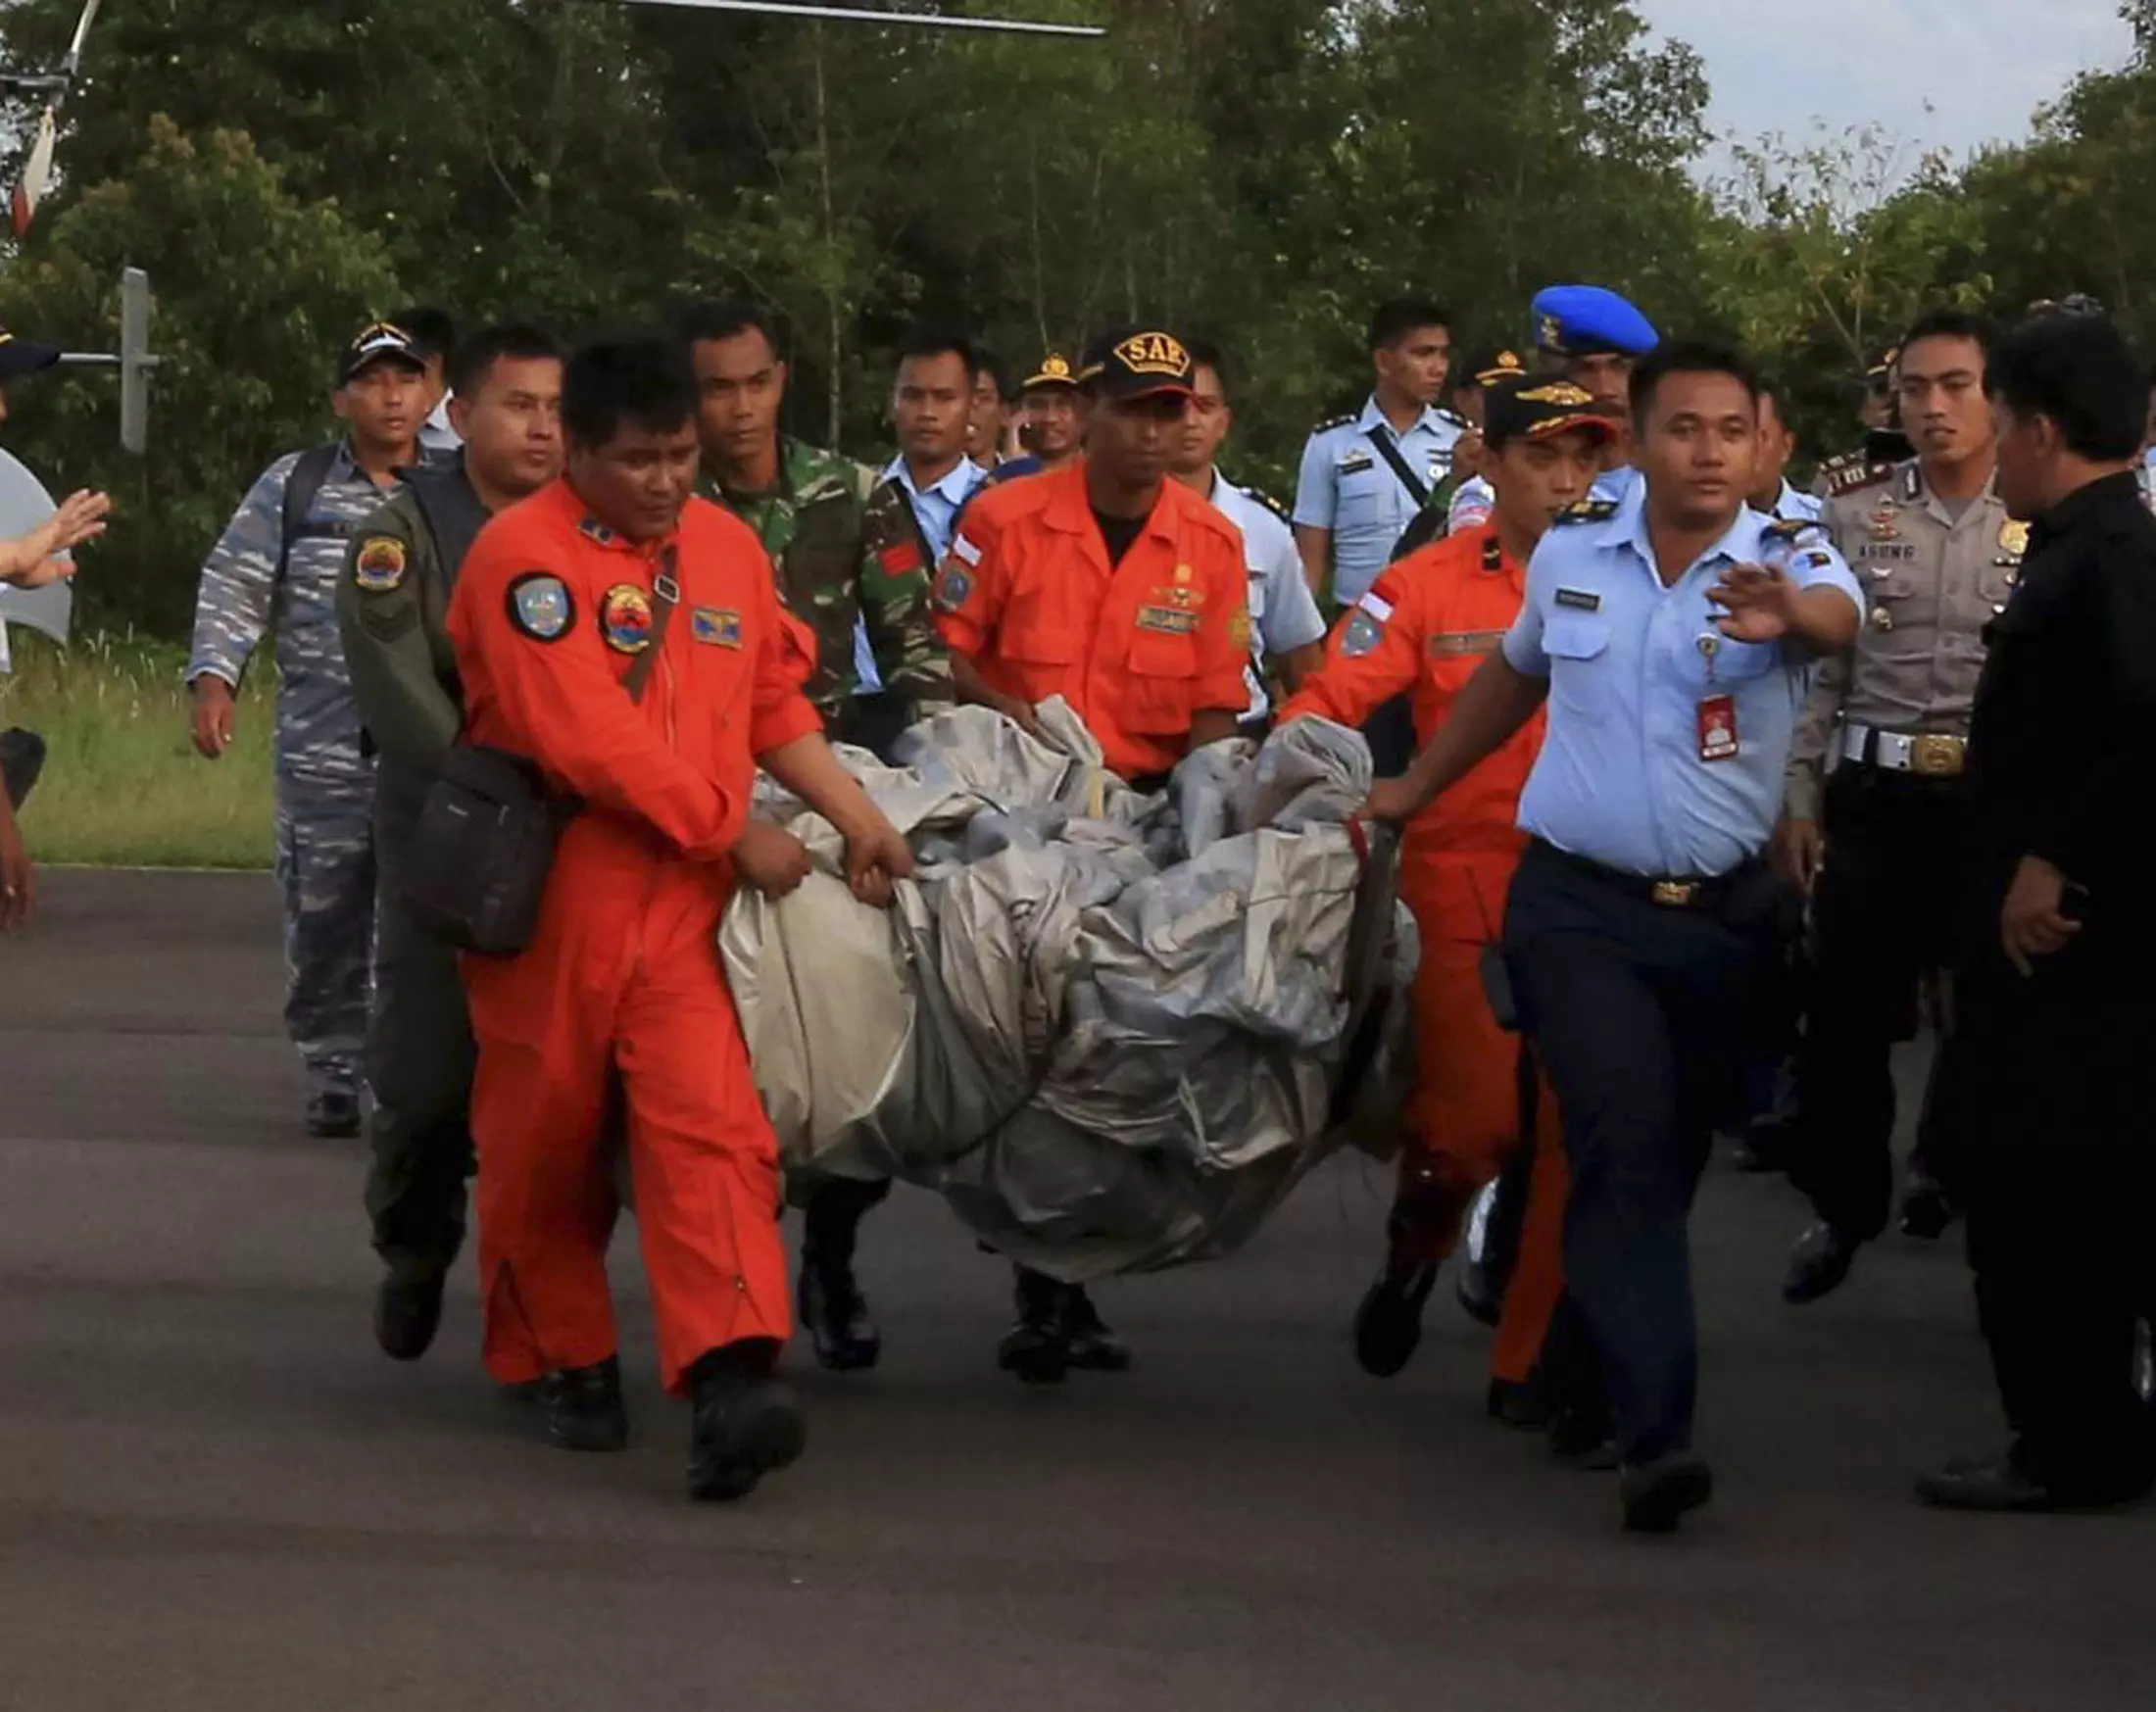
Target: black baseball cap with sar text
1139 361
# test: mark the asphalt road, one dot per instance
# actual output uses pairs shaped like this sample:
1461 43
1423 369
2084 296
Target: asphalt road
215 1494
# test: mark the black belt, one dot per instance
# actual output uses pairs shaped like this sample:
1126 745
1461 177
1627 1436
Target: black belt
1669 891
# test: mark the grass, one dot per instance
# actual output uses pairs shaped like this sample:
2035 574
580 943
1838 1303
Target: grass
123 785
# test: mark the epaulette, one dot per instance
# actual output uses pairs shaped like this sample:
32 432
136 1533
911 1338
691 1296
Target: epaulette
1454 418
1332 422
1271 504
1587 512
1853 471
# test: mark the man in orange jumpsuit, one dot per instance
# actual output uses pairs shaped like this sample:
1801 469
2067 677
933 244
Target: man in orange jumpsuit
1422 628
628 639
1125 593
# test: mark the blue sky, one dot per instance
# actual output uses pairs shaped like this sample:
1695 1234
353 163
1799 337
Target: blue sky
1983 66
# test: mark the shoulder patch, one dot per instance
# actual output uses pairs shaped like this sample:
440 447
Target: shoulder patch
1588 511
378 568
541 606
1852 474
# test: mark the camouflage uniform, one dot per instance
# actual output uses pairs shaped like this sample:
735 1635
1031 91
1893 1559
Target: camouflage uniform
325 785
393 612
849 551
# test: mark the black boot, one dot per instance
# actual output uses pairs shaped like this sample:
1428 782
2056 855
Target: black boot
408 1310
1388 1318
581 1407
1037 1349
333 1115
1925 1212
1090 1344
829 1298
744 1425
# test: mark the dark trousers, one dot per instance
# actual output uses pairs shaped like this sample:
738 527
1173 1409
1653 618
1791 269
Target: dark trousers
2055 1161
22 760
420 1062
1885 915
1391 735
1641 1013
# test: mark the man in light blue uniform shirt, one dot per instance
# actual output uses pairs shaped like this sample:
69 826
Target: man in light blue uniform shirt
1672 636
1286 630
1365 476
932 410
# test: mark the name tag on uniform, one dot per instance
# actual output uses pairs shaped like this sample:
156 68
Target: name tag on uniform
1456 643
1718 739
1169 620
1354 464
1579 600
1889 552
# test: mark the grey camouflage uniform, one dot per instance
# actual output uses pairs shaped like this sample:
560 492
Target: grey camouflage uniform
326 786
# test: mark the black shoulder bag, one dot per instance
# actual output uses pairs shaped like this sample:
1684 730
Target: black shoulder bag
486 842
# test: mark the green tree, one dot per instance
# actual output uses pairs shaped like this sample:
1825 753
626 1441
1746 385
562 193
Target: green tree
247 348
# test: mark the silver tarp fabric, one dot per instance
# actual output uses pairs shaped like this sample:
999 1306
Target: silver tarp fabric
1112 1030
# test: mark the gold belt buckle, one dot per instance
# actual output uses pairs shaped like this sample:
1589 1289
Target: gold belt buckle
1937 757
1676 893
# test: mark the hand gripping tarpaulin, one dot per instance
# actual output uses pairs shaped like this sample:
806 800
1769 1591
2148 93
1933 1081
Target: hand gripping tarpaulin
1112 1030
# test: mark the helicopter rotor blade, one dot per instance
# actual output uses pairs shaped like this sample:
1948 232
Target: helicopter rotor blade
866 15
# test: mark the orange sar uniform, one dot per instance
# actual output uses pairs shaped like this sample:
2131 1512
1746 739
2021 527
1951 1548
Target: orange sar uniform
1138 649
1424 629
623 975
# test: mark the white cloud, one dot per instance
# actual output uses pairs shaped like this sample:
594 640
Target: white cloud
1983 67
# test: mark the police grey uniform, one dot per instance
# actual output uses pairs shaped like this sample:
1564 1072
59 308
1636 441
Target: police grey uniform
1878 761
252 581
1349 487
393 616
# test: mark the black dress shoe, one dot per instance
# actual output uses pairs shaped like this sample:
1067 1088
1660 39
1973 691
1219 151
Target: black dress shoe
1388 1318
1583 1435
1925 1212
1818 1264
1090 1342
745 1426
1481 1294
333 1115
1037 1349
1657 1494
408 1311
582 1410
1992 1484
1764 1147
1517 1403
835 1315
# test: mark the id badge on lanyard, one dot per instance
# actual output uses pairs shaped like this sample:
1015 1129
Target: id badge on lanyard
1717 710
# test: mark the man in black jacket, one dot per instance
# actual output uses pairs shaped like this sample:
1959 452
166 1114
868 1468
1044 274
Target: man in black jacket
2048 1122
392 614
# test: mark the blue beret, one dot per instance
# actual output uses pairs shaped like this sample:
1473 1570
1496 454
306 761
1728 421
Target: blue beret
1574 320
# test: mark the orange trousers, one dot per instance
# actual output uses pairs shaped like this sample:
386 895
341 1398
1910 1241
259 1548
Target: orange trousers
1468 1118
636 989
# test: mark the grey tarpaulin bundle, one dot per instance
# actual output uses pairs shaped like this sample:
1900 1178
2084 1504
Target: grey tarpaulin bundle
1111 1030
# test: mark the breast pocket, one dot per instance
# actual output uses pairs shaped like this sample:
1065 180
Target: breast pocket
1163 668
1042 656
1364 505
1578 646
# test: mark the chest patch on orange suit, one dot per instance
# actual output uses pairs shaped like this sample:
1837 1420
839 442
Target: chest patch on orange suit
625 618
